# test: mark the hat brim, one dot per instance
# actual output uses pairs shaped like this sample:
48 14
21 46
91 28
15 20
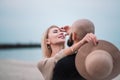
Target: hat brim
87 48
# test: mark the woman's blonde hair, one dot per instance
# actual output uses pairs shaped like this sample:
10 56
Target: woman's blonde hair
45 47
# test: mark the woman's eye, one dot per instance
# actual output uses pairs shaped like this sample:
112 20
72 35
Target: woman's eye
55 31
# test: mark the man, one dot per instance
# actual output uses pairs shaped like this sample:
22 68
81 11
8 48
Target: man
65 68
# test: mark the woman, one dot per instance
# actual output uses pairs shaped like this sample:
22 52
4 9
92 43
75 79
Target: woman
53 49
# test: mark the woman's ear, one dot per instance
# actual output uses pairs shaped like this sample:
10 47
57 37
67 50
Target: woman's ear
48 41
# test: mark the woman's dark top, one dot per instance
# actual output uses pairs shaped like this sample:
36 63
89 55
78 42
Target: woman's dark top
65 69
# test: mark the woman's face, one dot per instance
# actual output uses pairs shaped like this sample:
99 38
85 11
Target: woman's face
56 36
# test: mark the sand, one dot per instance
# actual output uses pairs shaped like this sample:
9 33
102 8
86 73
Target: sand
20 70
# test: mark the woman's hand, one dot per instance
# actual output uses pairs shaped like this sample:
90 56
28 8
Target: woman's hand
65 29
90 37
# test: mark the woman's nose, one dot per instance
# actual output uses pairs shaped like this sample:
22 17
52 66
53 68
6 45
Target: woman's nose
61 33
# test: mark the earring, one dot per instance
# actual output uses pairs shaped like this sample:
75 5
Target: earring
48 46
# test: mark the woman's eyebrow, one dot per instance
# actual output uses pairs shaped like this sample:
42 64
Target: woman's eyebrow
55 30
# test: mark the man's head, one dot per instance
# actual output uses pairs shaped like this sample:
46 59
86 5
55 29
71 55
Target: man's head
79 29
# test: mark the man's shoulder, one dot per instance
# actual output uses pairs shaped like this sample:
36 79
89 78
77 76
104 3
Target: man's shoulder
67 59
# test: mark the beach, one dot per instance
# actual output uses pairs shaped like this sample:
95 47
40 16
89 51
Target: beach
20 70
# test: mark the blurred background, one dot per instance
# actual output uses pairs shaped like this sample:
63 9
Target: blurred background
24 21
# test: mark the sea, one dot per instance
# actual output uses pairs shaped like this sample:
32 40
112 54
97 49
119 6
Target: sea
22 54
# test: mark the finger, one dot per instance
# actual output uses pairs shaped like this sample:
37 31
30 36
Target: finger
94 41
88 38
93 37
62 29
66 27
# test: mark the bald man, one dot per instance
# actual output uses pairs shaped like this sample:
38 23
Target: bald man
65 68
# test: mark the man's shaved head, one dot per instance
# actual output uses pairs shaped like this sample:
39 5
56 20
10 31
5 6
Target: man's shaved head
81 27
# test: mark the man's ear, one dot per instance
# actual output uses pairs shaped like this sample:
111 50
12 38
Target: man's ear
48 41
74 36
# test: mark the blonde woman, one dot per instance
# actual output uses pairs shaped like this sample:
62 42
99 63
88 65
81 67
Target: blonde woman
53 49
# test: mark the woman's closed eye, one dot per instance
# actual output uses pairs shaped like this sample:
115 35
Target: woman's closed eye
55 31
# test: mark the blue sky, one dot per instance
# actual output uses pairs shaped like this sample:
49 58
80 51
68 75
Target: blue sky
24 21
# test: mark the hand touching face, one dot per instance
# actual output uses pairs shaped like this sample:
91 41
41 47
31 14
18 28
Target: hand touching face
56 36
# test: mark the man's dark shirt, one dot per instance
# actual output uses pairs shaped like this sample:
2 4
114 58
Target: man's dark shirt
65 69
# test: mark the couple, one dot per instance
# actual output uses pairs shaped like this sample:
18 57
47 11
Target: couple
62 63
53 43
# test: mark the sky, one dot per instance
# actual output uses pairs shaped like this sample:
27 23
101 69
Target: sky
24 21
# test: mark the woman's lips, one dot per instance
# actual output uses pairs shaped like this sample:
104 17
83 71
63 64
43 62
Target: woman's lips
62 37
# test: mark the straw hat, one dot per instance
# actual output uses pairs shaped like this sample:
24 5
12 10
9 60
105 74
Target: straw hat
100 62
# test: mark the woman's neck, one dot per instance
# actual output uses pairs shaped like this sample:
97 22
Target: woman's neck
56 49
